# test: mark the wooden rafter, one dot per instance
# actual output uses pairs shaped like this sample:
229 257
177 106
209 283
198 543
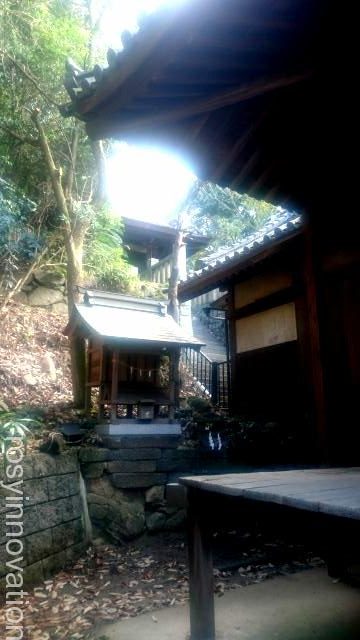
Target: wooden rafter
245 170
239 146
197 107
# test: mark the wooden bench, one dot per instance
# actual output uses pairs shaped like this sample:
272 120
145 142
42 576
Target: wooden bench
325 492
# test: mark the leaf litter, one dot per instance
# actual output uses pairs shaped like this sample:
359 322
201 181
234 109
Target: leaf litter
110 583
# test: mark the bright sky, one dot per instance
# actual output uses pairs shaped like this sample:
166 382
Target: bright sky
147 184
143 183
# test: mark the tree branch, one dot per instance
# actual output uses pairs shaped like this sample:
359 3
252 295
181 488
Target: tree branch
23 139
29 76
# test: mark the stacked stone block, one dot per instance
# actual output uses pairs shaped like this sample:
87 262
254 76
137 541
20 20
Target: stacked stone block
126 483
52 518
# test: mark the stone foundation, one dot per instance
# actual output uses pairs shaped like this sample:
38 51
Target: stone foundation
125 496
53 523
126 484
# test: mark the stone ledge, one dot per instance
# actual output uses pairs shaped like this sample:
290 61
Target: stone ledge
127 466
141 442
137 480
135 454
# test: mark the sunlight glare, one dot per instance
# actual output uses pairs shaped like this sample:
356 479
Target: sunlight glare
146 183
121 15
142 182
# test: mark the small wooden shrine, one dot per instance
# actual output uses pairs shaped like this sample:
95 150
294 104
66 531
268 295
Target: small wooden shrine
133 351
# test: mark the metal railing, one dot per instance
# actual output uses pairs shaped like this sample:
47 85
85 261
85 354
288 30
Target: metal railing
212 377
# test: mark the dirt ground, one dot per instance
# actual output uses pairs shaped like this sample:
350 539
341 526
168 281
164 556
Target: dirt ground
112 583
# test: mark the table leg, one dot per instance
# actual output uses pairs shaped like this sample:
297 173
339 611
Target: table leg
202 618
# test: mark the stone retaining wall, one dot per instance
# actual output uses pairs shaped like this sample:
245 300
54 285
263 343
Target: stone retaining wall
125 492
53 523
126 484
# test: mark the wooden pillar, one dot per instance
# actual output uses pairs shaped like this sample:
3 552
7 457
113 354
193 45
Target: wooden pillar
149 273
215 383
114 382
174 382
201 580
312 297
232 367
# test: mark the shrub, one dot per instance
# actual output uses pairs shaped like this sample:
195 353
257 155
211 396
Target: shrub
18 242
14 424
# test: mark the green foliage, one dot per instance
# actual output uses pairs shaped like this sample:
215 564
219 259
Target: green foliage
14 425
105 262
263 442
225 216
199 405
36 36
18 242
247 441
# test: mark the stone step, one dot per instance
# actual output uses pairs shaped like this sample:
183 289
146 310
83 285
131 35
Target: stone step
143 441
213 349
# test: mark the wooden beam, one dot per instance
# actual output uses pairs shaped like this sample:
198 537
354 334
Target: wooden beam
178 90
245 170
257 185
211 52
270 301
234 152
191 77
200 123
102 127
231 20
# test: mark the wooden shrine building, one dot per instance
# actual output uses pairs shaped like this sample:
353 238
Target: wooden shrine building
149 247
133 350
259 96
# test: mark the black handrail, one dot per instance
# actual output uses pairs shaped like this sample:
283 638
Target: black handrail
213 377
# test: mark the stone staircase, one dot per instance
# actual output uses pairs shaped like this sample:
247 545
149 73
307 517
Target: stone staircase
214 349
208 369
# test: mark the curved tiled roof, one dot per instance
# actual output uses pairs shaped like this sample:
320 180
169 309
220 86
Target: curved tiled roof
280 226
81 84
126 318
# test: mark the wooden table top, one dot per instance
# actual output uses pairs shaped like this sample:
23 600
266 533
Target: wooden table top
331 491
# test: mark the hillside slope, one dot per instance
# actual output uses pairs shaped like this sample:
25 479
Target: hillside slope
34 358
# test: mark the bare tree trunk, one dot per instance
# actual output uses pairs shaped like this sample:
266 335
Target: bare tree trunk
74 247
23 279
174 307
99 155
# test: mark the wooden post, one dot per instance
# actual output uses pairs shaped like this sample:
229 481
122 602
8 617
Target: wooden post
214 383
174 309
174 382
114 383
315 356
202 615
234 373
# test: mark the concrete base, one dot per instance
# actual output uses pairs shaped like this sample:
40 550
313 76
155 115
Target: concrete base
302 606
133 427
